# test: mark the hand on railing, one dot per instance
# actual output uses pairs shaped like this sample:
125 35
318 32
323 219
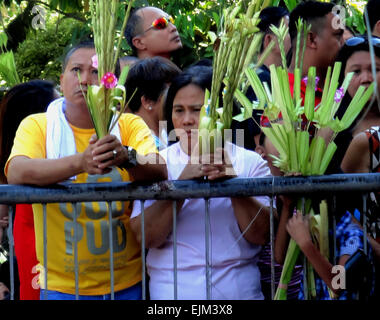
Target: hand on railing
216 165
219 166
192 171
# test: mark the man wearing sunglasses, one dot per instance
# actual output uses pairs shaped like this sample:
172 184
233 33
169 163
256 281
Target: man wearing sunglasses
151 32
373 9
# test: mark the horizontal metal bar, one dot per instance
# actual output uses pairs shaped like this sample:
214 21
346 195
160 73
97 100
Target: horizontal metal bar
182 189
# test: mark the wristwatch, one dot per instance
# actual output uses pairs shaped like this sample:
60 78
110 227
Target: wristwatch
132 159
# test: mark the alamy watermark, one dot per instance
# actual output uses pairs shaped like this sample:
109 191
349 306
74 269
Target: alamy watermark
339 20
200 152
39 20
339 280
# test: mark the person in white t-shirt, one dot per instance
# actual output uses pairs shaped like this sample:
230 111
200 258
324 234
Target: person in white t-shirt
238 226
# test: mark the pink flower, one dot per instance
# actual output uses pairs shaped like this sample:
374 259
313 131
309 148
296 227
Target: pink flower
339 94
109 80
316 82
95 61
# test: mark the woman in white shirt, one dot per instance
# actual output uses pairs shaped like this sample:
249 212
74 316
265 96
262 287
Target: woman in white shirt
238 226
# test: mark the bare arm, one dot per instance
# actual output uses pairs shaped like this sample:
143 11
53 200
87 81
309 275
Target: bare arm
42 172
159 216
282 236
96 159
298 228
148 170
158 223
23 170
356 159
245 210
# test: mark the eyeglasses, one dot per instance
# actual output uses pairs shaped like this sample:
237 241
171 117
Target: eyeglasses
161 23
354 41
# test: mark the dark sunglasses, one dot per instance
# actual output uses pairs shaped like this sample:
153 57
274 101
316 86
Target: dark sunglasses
161 23
354 41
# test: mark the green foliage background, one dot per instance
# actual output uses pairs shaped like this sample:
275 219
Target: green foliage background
40 54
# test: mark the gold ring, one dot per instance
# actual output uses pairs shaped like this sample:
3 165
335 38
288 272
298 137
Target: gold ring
114 153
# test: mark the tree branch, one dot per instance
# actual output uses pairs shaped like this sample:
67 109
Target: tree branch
66 14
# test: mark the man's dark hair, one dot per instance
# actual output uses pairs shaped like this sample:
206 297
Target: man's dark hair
133 28
88 44
311 12
269 16
373 9
150 77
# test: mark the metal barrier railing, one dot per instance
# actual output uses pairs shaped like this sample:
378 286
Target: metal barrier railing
176 190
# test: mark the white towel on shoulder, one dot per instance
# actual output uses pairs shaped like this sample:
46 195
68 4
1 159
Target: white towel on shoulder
60 140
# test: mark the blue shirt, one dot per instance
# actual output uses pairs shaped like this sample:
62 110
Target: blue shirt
349 238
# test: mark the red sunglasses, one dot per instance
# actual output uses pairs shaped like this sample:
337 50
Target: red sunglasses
161 23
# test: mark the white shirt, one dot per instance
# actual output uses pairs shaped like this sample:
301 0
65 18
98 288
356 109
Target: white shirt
234 271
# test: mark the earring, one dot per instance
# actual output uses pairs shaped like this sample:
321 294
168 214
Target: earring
150 108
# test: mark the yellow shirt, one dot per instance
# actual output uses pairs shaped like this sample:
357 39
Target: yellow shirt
93 226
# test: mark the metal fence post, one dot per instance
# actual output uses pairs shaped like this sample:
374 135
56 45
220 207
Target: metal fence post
207 248
305 269
143 271
110 234
272 271
11 251
76 238
175 250
365 224
45 269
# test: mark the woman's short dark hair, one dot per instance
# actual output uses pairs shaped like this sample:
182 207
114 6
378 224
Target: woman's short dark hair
200 76
19 102
149 78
